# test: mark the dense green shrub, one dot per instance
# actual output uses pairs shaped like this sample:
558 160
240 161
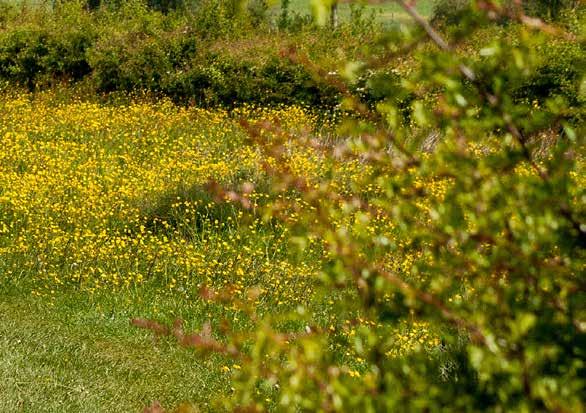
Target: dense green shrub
450 12
258 10
547 9
43 49
561 68
216 18
21 53
128 46
140 56
220 80
166 5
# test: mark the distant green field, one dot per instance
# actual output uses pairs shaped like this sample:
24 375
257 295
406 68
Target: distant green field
28 2
384 11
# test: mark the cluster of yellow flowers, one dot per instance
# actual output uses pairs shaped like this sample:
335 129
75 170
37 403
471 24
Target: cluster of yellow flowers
107 196
111 197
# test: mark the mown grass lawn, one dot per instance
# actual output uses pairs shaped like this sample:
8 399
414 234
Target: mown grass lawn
71 354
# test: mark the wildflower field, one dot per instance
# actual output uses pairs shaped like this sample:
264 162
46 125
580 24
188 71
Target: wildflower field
109 205
97 197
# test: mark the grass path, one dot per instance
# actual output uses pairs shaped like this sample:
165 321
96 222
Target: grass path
73 357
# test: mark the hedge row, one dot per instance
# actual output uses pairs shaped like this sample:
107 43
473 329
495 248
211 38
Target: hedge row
134 48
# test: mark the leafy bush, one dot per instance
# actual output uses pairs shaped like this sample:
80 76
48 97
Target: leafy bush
478 246
558 74
43 50
547 9
166 5
130 60
216 18
450 12
129 47
220 80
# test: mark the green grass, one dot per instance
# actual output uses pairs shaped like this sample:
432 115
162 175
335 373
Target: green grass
72 354
29 3
385 12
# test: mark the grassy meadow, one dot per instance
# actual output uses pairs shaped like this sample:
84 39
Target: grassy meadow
105 218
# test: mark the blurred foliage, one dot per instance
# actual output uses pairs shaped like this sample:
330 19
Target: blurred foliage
468 220
451 11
